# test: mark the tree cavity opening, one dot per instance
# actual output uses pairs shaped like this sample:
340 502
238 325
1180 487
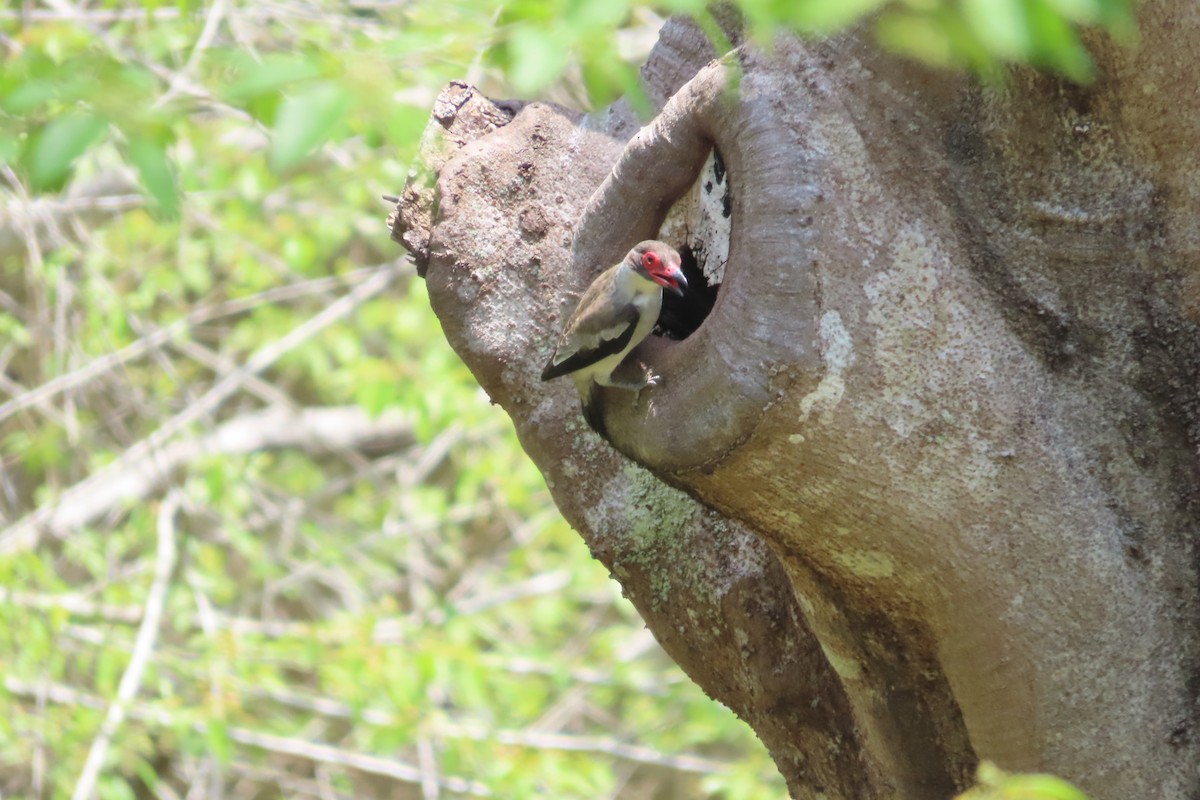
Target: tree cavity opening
698 226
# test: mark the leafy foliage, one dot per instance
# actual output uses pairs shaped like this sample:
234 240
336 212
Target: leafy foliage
65 90
983 35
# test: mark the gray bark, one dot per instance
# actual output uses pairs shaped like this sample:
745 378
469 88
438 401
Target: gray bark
924 487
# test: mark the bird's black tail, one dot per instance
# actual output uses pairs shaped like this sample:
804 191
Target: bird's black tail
593 414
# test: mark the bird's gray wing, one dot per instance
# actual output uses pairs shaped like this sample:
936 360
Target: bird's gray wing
590 337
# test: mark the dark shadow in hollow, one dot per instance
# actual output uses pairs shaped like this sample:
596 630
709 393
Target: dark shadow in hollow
682 316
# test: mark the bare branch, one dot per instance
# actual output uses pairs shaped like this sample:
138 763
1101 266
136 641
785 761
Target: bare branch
212 23
290 784
161 336
283 745
517 738
147 634
374 765
73 604
588 744
430 789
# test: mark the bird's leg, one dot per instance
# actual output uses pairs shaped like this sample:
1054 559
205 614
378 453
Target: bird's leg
634 381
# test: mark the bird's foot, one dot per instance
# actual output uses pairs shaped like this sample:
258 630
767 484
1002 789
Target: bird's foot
647 378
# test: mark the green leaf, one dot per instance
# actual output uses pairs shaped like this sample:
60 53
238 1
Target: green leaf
13 331
58 145
826 17
216 735
1002 24
305 121
376 387
536 58
146 773
1118 17
157 174
10 148
995 784
1056 42
1088 12
916 35
270 75
1040 787
28 96
111 787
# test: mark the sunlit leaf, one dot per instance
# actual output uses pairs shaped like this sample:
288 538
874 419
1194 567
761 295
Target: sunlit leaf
995 784
112 787
147 773
273 73
57 147
158 175
1040 787
916 35
536 58
1057 43
216 734
1002 24
825 17
28 96
10 148
1118 17
305 121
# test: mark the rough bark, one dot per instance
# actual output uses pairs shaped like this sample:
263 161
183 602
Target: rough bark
923 488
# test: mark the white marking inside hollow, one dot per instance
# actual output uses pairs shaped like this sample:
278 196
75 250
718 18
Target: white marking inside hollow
698 220
837 351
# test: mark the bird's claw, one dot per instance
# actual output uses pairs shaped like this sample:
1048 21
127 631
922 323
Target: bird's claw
649 378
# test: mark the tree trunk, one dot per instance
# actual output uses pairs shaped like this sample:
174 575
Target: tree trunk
922 487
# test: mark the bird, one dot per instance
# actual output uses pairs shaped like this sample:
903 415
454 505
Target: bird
614 315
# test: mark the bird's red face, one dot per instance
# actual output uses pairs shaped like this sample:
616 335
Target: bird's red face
661 263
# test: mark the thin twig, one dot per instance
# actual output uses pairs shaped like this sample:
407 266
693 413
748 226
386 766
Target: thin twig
161 336
211 24
519 738
290 784
98 16
15 389
72 604
147 635
223 365
260 360
374 765
588 744
430 786
282 745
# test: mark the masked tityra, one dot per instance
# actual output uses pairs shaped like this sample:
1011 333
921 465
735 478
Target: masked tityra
614 315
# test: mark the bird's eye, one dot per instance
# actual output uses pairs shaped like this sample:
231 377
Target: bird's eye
650 261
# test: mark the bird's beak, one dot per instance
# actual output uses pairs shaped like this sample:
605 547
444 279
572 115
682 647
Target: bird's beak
677 282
